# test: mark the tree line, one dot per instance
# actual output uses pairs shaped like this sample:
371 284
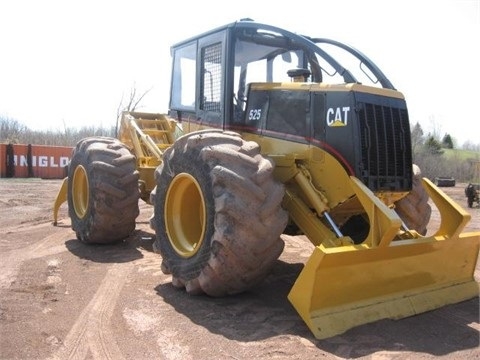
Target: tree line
14 132
440 157
429 151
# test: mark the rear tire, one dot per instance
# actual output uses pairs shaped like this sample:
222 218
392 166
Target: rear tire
414 209
218 216
102 190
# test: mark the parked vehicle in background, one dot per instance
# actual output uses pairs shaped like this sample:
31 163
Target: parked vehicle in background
444 181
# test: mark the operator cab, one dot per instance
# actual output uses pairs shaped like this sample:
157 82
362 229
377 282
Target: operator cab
268 82
211 72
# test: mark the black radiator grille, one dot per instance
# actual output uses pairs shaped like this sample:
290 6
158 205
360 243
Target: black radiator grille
386 147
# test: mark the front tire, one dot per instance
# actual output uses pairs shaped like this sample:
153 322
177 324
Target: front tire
217 213
102 190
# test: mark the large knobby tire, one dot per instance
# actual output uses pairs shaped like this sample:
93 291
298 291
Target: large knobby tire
414 209
102 190
217 213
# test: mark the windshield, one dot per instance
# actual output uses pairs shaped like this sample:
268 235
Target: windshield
267 55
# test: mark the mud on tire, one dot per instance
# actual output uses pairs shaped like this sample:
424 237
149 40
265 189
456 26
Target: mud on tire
102 190
232 238
414 209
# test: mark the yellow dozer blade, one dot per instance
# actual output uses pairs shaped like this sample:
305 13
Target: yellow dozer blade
343 287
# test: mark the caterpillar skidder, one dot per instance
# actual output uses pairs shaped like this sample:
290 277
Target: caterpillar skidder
269 132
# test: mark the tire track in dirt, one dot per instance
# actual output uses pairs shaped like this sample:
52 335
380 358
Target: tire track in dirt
91 333
15 228
12 260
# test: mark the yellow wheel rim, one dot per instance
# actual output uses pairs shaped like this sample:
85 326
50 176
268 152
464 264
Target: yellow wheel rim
185 217
80 191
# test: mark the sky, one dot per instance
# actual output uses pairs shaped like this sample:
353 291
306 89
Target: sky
67 63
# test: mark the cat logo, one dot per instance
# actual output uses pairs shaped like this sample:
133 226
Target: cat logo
338 116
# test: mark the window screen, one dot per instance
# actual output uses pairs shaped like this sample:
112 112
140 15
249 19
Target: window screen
211 85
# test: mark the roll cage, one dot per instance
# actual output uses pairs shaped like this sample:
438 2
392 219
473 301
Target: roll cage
210 72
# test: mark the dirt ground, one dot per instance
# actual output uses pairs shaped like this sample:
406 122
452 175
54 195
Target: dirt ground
61 299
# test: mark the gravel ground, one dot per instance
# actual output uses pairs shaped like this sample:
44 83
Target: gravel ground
61 299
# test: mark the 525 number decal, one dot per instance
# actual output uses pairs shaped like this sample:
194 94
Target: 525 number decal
255 114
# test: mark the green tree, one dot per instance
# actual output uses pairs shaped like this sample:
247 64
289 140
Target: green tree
447 142
432 146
